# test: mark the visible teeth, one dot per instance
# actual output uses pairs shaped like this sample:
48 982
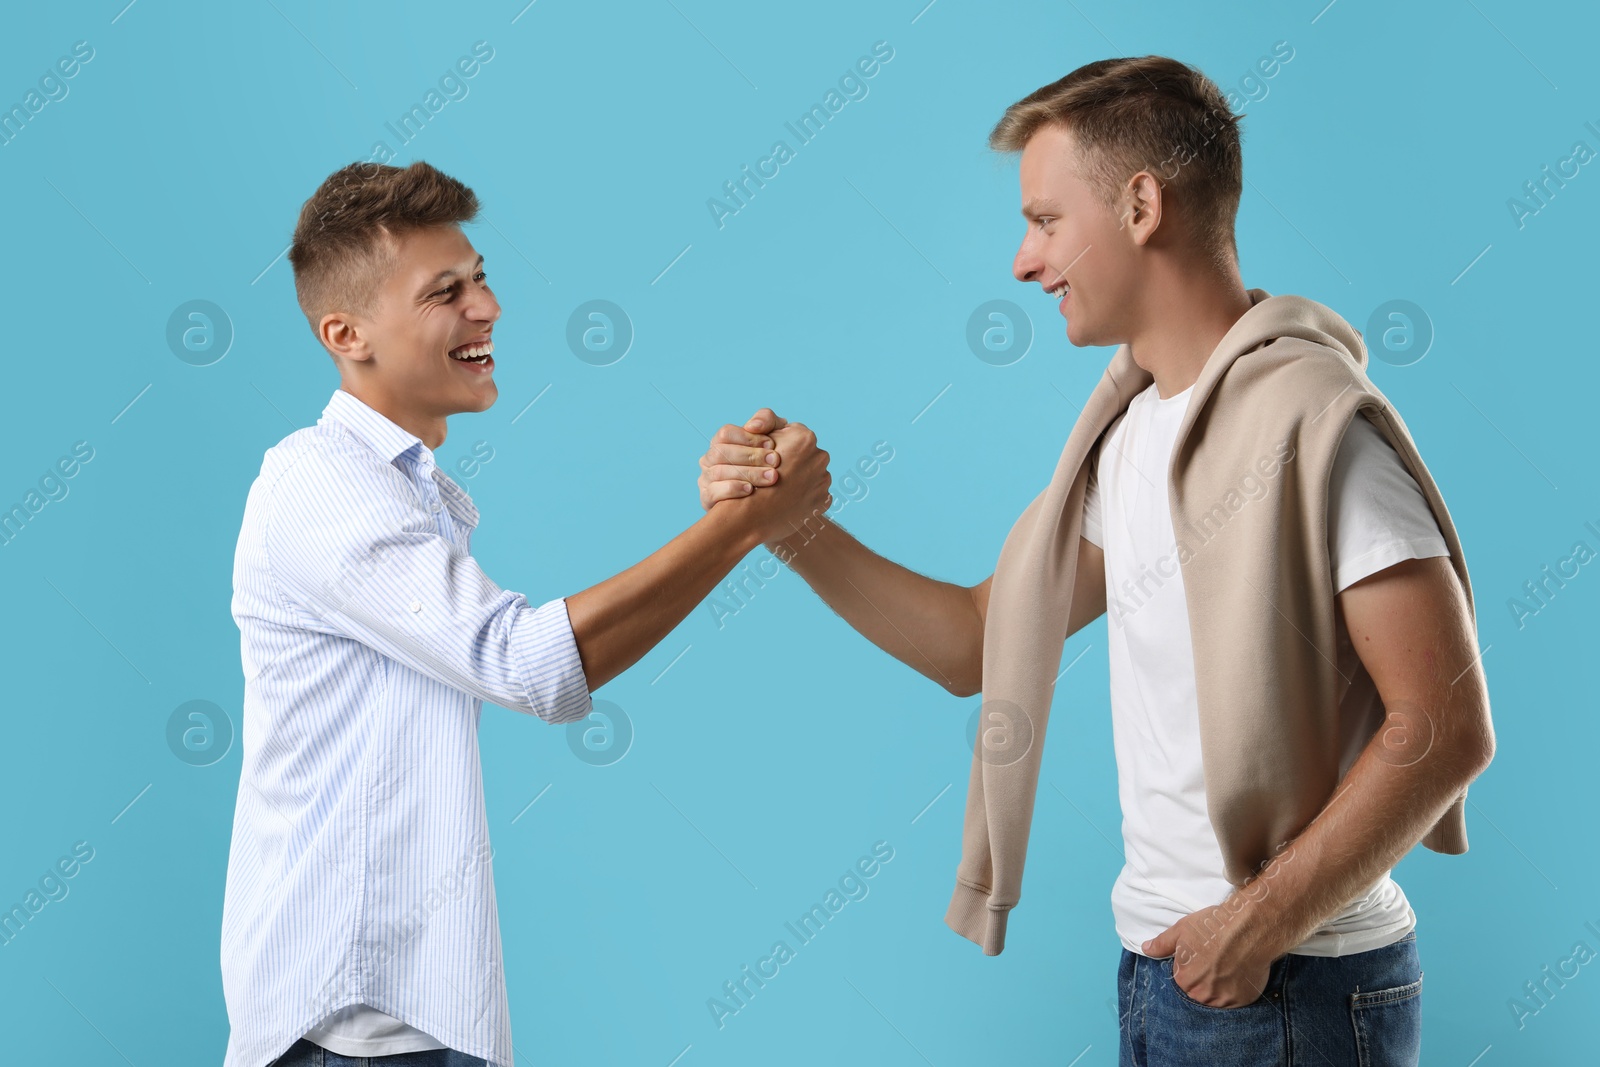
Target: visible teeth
1060 290
472 352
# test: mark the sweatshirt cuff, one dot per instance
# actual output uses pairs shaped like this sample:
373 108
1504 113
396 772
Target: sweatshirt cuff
971 916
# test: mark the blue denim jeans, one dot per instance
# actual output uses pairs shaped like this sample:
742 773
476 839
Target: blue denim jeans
305 1053
1360 1010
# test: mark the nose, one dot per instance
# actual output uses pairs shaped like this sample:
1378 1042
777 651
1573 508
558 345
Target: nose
484 307
1028 264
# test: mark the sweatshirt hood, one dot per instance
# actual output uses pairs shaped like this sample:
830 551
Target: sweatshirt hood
1272 317
1268 319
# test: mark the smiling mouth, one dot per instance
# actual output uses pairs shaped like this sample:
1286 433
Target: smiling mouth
478 352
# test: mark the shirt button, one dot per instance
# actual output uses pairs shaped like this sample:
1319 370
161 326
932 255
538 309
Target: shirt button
416 605
435 505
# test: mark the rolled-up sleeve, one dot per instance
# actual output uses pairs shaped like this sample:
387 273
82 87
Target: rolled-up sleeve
353 551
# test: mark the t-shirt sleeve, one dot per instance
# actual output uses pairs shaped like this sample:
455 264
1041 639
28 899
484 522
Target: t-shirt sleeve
1091 505
1377 513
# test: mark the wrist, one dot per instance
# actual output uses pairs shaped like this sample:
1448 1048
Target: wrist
736 524
783 546
790 544
1258 930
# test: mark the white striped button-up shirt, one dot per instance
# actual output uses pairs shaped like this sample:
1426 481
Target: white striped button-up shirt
359 870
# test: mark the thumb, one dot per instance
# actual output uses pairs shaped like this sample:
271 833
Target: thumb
765 421
1162 945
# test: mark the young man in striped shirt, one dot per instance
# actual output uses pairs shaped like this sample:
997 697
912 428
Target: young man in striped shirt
359 915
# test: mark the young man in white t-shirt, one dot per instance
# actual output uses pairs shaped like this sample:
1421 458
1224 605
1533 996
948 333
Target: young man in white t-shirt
1377 518
1131 176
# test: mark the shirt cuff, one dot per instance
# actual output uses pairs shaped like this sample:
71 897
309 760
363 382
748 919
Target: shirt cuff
546 653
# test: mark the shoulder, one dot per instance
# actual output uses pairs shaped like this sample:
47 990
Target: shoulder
1311 393
1364 443
1301 373
327 469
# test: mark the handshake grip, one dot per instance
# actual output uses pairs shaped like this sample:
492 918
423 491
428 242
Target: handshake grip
772 472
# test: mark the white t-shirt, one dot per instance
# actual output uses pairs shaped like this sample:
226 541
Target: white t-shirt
1377 516
362 1030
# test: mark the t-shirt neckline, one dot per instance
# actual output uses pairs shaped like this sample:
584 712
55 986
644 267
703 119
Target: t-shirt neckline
1155 394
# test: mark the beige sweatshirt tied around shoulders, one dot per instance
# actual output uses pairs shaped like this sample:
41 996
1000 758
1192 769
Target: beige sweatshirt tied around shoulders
1258 581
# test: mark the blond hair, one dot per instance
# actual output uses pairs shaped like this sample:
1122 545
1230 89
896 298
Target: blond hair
1147 113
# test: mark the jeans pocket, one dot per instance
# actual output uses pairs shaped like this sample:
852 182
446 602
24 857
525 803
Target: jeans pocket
1388 1025
1171 976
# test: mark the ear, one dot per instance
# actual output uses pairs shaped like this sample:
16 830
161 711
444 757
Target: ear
1141 206
343 338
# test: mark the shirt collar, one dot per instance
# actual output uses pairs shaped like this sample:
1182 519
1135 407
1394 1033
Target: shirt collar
373 428
391 441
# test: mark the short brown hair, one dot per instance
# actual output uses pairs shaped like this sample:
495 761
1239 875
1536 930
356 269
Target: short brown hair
344 241
1145 113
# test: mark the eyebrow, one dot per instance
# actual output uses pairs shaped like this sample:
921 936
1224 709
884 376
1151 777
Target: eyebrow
1033 208
428 286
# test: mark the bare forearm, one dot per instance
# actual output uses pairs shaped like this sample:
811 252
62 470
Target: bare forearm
1380 811
931 626
617 621
1412 627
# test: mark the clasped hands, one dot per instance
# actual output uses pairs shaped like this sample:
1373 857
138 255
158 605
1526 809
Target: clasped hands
772 470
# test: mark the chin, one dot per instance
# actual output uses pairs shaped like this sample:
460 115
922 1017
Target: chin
1086 337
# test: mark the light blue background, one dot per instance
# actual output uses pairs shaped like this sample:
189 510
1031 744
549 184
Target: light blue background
1379 165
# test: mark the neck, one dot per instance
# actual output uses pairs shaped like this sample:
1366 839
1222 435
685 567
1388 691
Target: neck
429 428
1188 313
